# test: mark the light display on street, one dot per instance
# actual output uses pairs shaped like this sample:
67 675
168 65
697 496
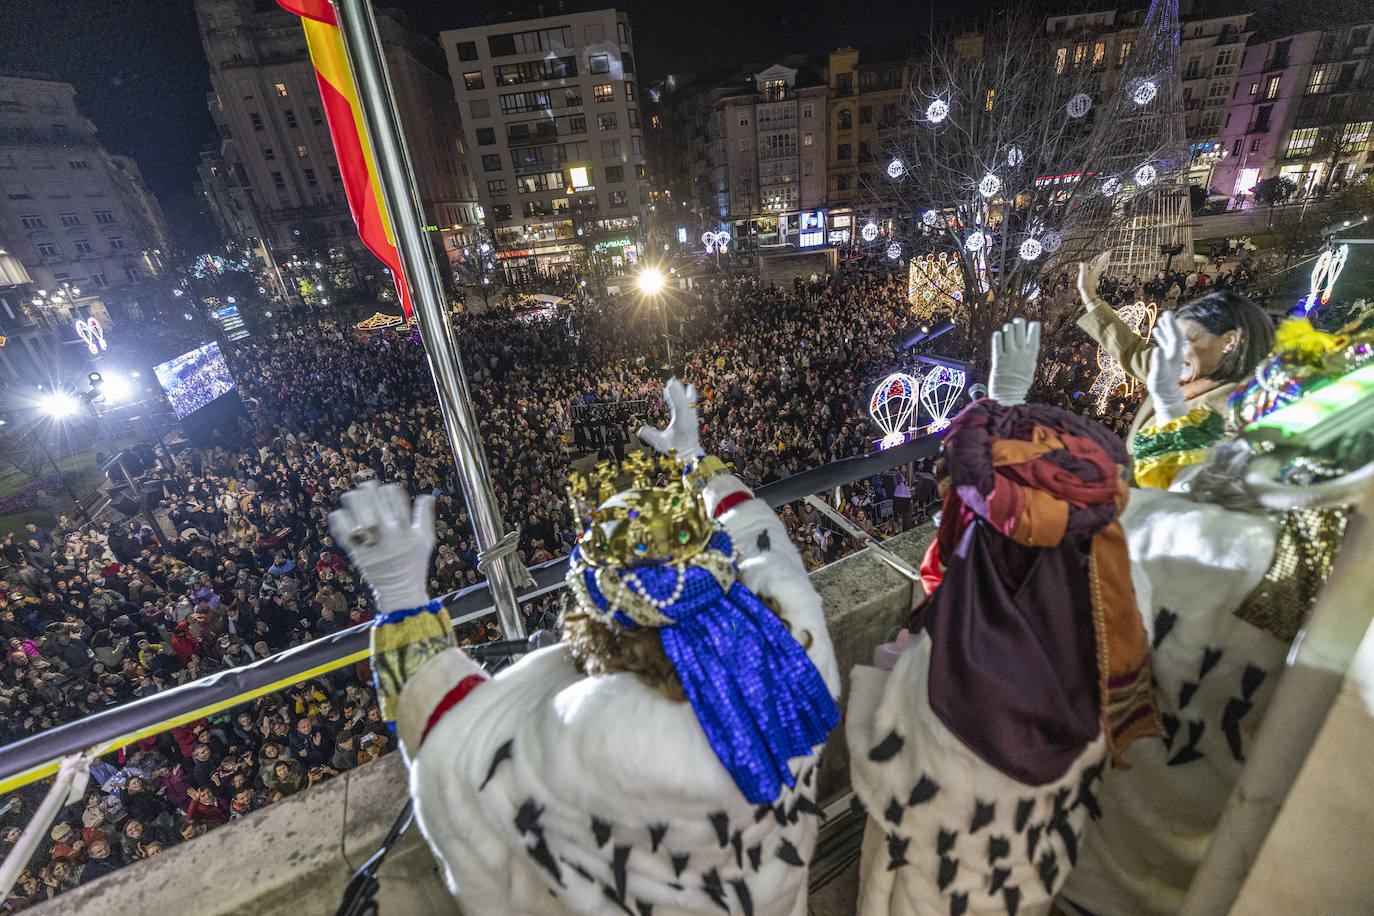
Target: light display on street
940 390
891 407
1112 378
90 331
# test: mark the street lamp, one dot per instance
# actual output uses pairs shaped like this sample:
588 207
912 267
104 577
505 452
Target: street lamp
650 282
59 405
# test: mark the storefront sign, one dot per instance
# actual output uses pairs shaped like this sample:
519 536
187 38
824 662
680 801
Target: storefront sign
615 243
811 238
838 236
522 253
811 220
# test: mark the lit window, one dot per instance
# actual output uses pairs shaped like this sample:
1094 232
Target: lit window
1099 53
281 89
808 139
301 151
1125 53
1060 56
1271 88
473 80
603 93
1301 142
992 95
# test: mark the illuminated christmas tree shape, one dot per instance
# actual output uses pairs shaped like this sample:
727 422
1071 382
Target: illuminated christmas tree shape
940 390
934 283
1112 378
891 407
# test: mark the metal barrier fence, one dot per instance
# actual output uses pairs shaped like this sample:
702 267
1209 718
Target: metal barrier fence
35 758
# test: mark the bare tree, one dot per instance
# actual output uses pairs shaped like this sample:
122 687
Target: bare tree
1019 162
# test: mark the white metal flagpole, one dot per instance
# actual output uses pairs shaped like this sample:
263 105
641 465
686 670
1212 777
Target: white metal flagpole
363 47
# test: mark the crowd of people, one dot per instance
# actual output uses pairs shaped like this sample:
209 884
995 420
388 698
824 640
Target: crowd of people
240 563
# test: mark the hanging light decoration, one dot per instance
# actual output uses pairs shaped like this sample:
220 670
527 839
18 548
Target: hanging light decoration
1015 157
990 185
894 251
976 240
1145 175
930 218
869 231
1144 92
1051 241
1031 249
1111 186
937 111
1078 105
895 168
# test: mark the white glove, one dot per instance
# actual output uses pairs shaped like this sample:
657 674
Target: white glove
683 434
388 542
1166 366
1014 349
1090 273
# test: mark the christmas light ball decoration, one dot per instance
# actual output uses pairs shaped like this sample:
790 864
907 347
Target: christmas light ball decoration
937 111
1145 175
983 284
990 185
894 251
891 407
976 240
1111 186
1015 157
1144 92
869 231
895 168
1051 241
1031 249
930 218
1078 105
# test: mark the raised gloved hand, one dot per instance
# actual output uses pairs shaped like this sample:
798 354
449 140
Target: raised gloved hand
683 434
389 543
1166 365
1014 350
1090 273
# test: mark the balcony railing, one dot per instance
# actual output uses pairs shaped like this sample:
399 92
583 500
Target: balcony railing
30 759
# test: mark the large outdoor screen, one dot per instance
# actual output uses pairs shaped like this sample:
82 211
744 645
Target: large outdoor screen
194 379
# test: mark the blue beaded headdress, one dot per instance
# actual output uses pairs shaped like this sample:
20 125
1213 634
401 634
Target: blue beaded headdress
755 691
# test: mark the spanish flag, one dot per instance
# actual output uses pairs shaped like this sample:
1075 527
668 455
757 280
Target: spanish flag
357 166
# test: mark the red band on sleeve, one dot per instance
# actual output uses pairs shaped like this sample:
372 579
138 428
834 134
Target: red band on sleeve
731 501
450 700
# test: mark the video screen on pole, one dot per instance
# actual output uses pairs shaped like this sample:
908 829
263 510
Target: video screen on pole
194 379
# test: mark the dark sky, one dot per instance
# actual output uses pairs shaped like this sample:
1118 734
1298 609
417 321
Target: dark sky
141 76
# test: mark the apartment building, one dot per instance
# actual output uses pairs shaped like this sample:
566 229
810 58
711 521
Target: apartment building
88 234
863 113
279 172
1211 49
1304 109
551 111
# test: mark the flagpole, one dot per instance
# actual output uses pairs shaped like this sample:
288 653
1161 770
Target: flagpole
363 47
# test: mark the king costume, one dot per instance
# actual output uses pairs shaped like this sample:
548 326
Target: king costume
573 781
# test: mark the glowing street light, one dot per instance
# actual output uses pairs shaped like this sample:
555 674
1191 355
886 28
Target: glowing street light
650 281
59 404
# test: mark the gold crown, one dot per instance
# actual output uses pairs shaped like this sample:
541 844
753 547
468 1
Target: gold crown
645 510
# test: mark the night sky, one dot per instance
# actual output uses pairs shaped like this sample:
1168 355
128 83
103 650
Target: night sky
141 76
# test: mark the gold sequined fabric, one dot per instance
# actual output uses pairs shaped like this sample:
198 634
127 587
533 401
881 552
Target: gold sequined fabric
1306 548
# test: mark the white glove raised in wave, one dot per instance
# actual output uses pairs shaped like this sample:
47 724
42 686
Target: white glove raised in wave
683 435
389 542
1014 350
1166 365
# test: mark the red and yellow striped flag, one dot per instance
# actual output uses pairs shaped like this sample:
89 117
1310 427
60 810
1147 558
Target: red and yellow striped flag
357 166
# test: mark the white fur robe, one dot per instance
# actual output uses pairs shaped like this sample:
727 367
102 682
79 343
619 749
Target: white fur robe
1214 675
547 792
948 833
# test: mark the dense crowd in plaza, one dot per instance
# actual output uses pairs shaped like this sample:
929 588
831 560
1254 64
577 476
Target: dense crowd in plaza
241 564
